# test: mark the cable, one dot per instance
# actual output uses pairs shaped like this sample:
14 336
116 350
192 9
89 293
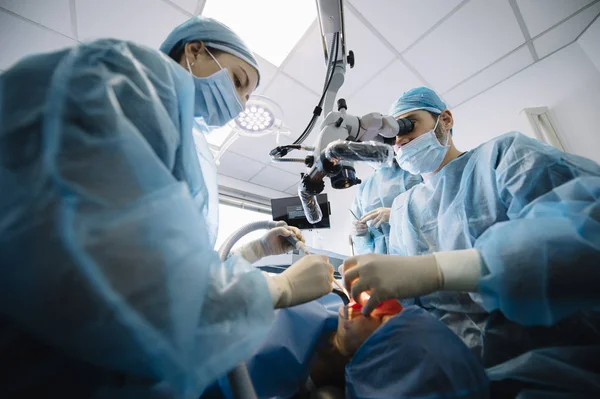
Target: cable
318 109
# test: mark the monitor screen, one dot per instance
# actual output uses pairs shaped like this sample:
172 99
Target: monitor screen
290 211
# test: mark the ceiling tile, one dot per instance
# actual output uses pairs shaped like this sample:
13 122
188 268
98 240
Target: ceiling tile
489 77
292 190
540 15
54 14
154 20
275 178
187 5
267 73
475 36
26 38
400 31
270 28
378 95
256 148
238 167
296 101
293 167
590 44
307 62
370 53
566 32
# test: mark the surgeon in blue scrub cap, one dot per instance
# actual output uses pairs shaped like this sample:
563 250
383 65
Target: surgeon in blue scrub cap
502 243
110 285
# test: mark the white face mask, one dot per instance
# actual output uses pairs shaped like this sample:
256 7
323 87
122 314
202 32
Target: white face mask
424 154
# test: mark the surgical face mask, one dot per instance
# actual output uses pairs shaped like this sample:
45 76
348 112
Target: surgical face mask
216 99
424 154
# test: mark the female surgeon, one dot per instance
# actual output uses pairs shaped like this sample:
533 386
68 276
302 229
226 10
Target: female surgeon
110 285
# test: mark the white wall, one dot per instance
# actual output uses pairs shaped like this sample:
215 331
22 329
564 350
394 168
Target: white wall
567 82
590 43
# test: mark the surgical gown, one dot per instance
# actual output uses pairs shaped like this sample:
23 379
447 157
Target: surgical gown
379 190
533 212
110 285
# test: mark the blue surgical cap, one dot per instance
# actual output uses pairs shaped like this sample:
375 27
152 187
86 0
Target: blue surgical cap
214 35
415 99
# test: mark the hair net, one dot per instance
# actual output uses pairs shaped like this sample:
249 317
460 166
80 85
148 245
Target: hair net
415 99
214 35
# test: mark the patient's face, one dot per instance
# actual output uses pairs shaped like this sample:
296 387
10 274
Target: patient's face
354 328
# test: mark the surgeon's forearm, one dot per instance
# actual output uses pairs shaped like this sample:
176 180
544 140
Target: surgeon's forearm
461 269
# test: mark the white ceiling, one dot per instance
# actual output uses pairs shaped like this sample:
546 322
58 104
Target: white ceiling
458 48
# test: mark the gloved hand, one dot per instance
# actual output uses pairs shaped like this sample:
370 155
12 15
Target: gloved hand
378 217
308 279
389 276
359 228
272 243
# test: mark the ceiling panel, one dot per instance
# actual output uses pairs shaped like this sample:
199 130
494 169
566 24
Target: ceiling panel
256 148
238 167
540 15
474 37
292 190
307 61
26 38
566 32
489 77
402 22
274 178
378 94
296 101
188 5
293 167
153 21
370 53
267 73
54 14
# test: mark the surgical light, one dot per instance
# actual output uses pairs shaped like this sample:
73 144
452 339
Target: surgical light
255 119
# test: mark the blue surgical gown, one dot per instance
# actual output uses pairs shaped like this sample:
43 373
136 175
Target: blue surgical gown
379 190
110 285
533 212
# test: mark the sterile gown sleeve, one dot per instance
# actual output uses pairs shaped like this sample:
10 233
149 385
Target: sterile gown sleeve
362 244
543 264
105 247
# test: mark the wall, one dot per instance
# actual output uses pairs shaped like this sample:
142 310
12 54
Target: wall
335 239
567 82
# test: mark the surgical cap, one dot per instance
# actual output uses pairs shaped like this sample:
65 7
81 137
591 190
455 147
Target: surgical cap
214 35
416 99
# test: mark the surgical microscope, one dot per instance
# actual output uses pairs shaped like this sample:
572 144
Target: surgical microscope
343 139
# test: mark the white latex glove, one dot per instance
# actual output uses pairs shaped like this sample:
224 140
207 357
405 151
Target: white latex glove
308 279
377 217
389 276
272 243
359 228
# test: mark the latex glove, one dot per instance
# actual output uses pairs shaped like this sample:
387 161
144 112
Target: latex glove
272 243
359 228
308 279
388 276
377 217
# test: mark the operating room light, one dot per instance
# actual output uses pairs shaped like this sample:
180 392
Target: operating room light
255 119
271 28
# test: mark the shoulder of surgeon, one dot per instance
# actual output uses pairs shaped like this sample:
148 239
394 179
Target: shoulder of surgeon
515 149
